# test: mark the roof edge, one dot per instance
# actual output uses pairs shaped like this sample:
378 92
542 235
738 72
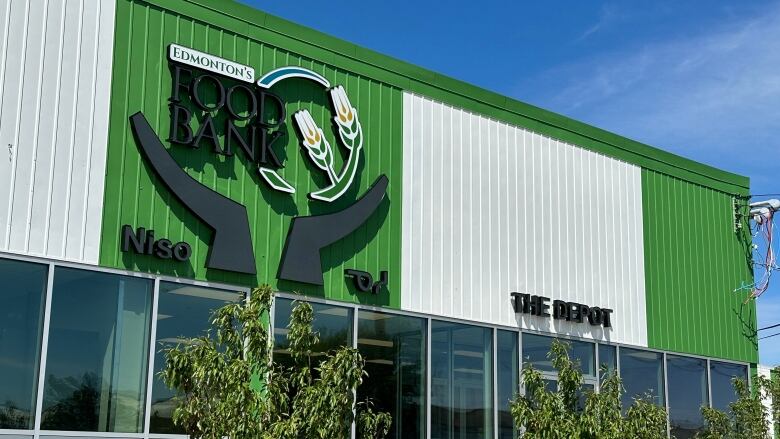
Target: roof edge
325 48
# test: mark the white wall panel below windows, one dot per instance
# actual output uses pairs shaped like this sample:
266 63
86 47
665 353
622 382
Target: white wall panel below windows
55 74
766 372
489 208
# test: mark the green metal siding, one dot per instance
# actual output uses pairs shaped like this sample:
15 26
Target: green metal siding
315 45
142 82
693 262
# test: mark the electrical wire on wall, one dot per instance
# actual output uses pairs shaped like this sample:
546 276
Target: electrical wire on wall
762 214
762 229
767 261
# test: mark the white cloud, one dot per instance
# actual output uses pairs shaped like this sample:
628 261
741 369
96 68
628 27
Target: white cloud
607 15
714 98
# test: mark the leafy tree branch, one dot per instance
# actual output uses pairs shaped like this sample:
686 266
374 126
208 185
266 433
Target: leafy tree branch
545 414
213 375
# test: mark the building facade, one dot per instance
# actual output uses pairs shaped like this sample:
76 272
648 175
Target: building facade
163 157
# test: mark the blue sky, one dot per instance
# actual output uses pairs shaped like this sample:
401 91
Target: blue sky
697 78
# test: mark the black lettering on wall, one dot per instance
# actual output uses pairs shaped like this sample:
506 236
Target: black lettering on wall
135 238
524 303
241 117
365 282
181 132
142 242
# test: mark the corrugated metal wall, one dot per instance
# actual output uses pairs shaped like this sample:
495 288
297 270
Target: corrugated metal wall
55 71
142 82
694 262
490 208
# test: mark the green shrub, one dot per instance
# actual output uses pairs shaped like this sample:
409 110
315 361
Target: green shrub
213 375
544 414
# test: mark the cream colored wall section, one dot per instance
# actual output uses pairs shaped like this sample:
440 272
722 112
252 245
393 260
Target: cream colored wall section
55 74
489 208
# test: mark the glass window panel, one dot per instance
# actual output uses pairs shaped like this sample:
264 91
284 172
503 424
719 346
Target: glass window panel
687 394
642 372
721 374
97 352
393 348
21 322
507 376
607 357
585 353
333 325
461 381
583 393
183 311
551 385
536 348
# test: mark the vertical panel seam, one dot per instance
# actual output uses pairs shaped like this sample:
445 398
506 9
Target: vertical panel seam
96 197
15 162
76 116
55 132
34 143
3 61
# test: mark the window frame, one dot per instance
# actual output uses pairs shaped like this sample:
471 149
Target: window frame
37 432
708 386
51 264
591 380
425 332
709 374
152 350
43 332
148 293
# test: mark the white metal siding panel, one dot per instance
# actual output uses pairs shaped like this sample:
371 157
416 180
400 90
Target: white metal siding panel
54 93
766 372
490 208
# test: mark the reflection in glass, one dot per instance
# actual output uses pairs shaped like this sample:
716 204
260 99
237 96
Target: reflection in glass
721 375
550 385
183 311
582 395
333 325
585 354
507 376
97 352
607 357
687 394
642 372
461 381
21 320
536 348
393 348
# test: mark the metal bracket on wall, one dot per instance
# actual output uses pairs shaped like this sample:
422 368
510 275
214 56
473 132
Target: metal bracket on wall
737 215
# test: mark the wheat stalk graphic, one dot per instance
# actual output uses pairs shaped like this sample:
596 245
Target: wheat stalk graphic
315 143
320 152
350 131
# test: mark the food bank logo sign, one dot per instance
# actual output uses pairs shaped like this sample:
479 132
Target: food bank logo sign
252 117
263 112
